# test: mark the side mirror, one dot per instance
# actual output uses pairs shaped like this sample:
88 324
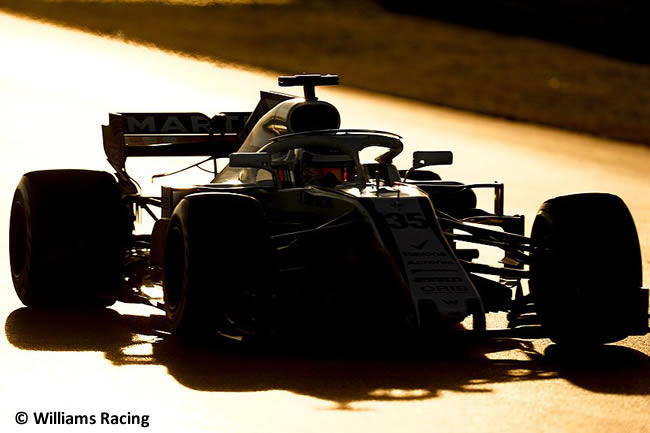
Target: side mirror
251 160
425 159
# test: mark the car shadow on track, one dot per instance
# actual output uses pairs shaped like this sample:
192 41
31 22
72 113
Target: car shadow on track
341 376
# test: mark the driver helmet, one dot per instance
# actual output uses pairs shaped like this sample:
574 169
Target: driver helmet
327 168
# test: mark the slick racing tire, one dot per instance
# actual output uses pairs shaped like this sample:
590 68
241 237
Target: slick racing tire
586 269
64 238
216 249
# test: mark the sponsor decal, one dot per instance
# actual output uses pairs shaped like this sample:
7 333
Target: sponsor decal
182 123
420 245
161 124
439 280
425 254
429 262
444 289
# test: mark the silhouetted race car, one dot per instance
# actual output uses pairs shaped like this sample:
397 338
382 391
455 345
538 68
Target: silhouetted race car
298 236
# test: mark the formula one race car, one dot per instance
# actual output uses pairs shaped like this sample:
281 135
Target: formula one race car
298 235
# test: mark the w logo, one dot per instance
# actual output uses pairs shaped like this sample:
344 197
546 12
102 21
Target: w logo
450 301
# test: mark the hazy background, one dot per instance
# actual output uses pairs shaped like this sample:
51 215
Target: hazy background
575 64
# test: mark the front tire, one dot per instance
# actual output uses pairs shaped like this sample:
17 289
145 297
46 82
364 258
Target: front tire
216 251
586 271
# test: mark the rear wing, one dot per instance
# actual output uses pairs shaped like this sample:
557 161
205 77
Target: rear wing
168 134
179 134
171 134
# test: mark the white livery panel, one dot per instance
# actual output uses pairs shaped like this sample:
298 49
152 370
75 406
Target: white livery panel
432 271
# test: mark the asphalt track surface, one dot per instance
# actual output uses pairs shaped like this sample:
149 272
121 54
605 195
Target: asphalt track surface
57 87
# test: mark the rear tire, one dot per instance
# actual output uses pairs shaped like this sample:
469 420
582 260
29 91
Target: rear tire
586 273
216 249
65 238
